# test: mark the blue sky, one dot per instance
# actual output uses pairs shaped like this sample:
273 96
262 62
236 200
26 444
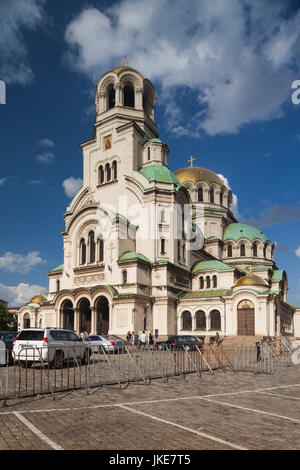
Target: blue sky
223 72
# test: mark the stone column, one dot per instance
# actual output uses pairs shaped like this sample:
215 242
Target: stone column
76 320
93 320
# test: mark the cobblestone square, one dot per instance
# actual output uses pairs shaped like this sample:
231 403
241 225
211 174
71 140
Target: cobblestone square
226 410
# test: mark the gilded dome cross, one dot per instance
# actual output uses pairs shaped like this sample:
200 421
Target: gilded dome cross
191 160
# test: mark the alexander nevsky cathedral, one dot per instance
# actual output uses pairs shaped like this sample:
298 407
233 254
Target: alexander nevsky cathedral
148 249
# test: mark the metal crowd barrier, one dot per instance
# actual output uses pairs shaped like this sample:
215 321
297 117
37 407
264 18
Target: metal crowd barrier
30 375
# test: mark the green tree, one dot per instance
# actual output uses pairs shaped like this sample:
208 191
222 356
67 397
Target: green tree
7 319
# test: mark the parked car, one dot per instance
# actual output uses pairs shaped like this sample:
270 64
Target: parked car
178 341
52 345
108 343
8 337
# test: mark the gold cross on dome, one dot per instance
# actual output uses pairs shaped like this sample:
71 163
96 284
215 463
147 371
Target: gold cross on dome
191 160
125 61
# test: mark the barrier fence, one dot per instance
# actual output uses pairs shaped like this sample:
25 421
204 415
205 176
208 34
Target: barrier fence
29 374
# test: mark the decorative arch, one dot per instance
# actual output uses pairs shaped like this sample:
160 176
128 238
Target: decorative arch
215 320
186 320
26 320
200 320
245 318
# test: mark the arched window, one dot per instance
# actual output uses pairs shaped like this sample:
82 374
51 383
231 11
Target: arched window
183 251
229 251
201 282
200 320
215 320
148 153
211 195
178 249
162 246
214 280
200 194
101 175
114 169
254 248
92 247
57 285
207 282
111 98
100 248
129 96
186 320
82 251
242 250
221 198
108 172
124 277
265 252
26 320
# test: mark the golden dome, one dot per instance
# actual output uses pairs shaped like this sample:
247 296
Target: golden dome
251 280
194 174
38 299
122 68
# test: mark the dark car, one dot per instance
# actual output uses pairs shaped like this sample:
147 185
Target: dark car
178 341
8 338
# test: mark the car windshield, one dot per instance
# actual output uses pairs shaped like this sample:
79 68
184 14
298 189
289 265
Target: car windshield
31 335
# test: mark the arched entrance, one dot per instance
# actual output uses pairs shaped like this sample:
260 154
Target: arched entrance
67 315
84 315
102 315
245 318
26 320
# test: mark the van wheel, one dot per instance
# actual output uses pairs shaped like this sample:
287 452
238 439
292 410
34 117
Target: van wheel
58 360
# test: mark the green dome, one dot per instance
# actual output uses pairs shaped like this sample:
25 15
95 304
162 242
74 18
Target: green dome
237 231
211 265
161 174
132 255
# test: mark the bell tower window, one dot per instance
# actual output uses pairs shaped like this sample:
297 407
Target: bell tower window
129 96
111 98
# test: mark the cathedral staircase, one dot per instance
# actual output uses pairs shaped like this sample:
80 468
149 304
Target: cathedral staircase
237 340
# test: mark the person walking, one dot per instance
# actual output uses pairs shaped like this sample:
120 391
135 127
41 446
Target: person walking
132 339
151 340
128 338
142 340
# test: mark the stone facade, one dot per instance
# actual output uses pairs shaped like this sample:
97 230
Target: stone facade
148 249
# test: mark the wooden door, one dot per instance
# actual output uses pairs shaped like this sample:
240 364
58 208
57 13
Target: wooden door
246 325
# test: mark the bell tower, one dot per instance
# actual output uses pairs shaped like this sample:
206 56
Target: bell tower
123 94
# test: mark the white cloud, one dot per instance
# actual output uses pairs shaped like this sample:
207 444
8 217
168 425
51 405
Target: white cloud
19 295
46 157
235 55
46 143
15 17
2 181
298 251
14 262
71 185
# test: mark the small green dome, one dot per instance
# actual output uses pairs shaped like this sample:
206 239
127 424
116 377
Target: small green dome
161 174
237 231
132 255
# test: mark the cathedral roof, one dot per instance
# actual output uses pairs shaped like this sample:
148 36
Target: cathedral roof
211 265
161 174
251 280
132 255
38 299
195 174
237 231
